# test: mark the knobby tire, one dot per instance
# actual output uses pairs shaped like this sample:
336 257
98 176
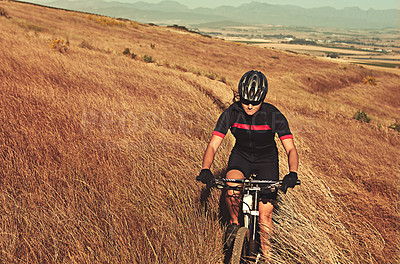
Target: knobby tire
240 245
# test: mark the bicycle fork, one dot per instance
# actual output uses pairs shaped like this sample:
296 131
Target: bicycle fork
250 215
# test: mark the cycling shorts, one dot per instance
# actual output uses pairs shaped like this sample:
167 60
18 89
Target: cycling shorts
264 171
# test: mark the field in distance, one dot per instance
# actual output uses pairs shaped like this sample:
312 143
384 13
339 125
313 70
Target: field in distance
371 48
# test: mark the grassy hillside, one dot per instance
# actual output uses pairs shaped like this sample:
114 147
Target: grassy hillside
99 146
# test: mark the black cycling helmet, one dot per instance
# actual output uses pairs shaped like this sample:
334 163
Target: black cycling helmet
253 87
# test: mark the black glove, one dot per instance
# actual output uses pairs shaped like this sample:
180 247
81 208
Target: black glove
289 181
206 177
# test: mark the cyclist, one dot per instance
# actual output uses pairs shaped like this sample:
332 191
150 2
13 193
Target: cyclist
254 124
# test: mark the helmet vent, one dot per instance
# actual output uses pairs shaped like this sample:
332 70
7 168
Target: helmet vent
253 87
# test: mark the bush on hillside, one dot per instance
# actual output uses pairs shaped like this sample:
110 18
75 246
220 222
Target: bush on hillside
395 126
148 59
3 12
128 52
362 116
370 80
59 45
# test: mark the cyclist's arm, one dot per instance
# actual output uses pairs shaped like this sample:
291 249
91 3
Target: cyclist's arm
210 151
291 151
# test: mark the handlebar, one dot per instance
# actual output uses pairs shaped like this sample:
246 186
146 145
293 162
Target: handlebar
249 183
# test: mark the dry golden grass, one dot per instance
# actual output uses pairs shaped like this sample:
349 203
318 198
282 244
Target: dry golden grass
98 151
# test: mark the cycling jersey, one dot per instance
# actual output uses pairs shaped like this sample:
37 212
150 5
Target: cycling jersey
255 134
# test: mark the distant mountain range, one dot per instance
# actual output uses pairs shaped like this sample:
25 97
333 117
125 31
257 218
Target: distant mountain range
171 12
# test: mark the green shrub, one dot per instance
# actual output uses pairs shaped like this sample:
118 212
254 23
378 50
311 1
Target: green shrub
126 51
395 126
362 116
148 59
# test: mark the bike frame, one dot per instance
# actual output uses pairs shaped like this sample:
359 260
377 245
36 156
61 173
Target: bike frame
250 189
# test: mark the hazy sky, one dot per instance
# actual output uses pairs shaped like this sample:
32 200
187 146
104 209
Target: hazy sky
362 4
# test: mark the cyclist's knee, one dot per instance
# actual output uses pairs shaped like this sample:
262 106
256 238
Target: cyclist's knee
234 174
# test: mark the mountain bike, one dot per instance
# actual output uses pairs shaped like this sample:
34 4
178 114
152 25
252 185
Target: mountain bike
245 245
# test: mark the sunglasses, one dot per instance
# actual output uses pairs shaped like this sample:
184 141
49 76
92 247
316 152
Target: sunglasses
247 102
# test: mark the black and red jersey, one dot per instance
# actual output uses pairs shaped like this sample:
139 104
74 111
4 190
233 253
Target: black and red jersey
255 135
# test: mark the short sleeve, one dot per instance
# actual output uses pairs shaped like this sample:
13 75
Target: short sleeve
281 126
223 125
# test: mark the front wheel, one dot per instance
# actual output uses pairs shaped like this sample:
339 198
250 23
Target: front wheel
240 246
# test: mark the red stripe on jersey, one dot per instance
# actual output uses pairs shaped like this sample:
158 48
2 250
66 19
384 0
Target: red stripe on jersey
286 137
242 126
260 127
253 127
218 134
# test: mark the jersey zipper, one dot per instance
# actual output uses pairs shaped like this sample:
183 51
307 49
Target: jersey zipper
250 137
